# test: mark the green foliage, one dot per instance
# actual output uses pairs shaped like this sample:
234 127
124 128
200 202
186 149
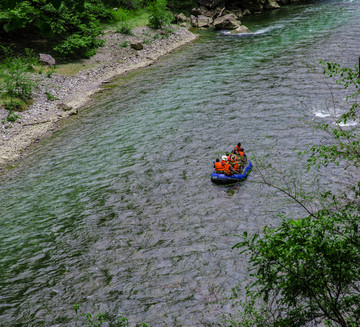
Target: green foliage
71 26
12 117
184 5
307 271
50 96
159 14
128 4
14 73
15 105
309 268
125 44
125 28
123 16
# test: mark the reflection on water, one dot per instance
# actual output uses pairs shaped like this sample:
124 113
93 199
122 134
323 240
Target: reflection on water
117 212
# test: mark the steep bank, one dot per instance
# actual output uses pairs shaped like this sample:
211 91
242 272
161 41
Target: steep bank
69 93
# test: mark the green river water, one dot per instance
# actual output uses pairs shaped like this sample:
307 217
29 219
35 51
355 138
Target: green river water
116 212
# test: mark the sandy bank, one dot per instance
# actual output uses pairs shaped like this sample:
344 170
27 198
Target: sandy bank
72 92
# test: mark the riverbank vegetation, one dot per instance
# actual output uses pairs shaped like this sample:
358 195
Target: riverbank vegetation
65 29
307 271
70 29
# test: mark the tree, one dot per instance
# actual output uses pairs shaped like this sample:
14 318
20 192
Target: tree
71 27
308 269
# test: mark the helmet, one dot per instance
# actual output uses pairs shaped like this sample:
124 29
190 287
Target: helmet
225 158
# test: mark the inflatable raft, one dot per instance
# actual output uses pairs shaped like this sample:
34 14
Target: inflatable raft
223 179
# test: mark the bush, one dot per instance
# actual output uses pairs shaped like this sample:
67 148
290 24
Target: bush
159 15
71 27
128 4
14 73
184 5
12 117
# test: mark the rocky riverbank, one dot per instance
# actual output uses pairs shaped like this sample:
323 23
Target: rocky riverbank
58 96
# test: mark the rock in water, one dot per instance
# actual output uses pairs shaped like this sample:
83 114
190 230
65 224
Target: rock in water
228 22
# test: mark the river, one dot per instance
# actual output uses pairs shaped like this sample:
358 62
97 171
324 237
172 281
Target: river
116 212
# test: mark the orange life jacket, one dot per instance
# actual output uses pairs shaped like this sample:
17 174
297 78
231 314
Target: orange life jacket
227 170
237 149
242 153
219 168
236 165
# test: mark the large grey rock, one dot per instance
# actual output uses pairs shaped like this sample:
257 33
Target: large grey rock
193 21
228 22
203 21
181 18
241 29
47 59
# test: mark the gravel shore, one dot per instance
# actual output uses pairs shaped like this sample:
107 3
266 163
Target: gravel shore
72 92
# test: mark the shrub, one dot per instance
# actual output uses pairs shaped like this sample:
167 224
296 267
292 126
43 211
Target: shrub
71 27
12 117
14 73
159 14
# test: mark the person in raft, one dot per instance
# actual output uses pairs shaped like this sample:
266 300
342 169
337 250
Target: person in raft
236 164
219 168
237 148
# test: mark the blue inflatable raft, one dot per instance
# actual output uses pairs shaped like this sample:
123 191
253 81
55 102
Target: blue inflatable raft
223 179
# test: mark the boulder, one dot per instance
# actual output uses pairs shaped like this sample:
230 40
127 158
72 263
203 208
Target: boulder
137 45
206 12
47 59
272 4
228 22
203 21
241 29
246 12
181 18
195 12
64 107
193 21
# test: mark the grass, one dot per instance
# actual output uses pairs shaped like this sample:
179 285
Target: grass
72 68
128 18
